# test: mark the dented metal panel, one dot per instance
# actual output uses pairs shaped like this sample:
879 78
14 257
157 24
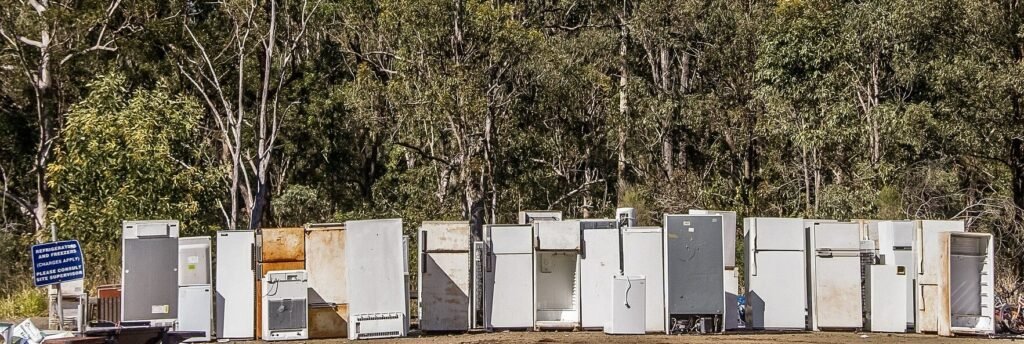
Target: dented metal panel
325 263
283 244
328 321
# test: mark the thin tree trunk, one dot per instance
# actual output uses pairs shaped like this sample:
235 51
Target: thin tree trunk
666 121
623 110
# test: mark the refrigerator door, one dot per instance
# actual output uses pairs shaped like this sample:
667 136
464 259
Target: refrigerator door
835 276
558 235
600 261
150 279
508 291
729 231
444 291
887 310
896 243
236 290
776 291
325 264
927 251
694 266
966 284
375 252
195 309
642 255
510 239
194 261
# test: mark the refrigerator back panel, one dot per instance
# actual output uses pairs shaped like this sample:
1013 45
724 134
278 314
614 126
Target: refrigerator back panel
444 276
150 279
282 244
558 235
643 255
325 264
510 239
194 261
598 264
694 264
375 252
235 317
835 276
729 231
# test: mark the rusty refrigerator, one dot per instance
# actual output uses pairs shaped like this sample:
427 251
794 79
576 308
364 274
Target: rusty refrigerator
444 276
327 273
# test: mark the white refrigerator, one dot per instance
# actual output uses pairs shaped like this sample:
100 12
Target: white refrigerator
376 255
444 283
598 264
557 274
236 285
643 255
896 246
835 280
927 252
508 279
776 287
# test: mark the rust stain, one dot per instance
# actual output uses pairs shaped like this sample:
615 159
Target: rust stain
328 322
283 244
325 255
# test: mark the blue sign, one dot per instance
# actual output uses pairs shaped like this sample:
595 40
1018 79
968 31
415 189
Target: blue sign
56 262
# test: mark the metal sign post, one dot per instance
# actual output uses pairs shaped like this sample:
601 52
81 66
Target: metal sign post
60 293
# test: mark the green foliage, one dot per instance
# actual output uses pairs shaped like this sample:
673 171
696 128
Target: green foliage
129 155
23 303
299 205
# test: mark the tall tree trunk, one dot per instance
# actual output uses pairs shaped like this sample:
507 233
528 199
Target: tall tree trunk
620 170
665 57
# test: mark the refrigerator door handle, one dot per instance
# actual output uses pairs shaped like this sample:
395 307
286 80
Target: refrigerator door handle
423 263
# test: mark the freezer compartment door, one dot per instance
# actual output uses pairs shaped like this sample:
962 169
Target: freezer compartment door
599 263
777 295
236 290
776 233
558 235
445 236
508 291
444 292
510 239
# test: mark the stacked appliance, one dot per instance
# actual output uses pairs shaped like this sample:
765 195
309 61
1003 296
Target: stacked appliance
327 273
377 257
835 276
731 274
896 248
694 281
285 305
598 264
556 274
149 274
928 252
195 287
444 276
530 216
775 274
966 293
235 288
643 255
508 301
278 249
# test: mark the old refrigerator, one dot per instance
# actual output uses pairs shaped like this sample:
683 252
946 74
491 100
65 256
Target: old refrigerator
776 287
835 277
627 305
643 255
195 287
235 316
928 253
966 284
731 274
598 263
376 254
896 246
444 276
694 281
327 273
557 274
149 276
508 277
285 305
886 306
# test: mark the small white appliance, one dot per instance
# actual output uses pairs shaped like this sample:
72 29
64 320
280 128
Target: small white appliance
628 308
285 305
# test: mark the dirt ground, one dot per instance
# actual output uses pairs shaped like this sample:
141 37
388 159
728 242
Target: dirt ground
736 337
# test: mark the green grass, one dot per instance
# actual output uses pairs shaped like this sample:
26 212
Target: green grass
29 302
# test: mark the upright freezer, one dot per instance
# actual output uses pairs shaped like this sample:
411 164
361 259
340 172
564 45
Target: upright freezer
643 255
444 282
508 279
896 246
776 287
928 252
236 285
598 263
966 284
557 274
694 281
377 262
149 277
835 276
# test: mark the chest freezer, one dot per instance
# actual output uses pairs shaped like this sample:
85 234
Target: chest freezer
776 287
508 277
377 259
235 316
643 255
599 262
444 276
966 284
835 276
